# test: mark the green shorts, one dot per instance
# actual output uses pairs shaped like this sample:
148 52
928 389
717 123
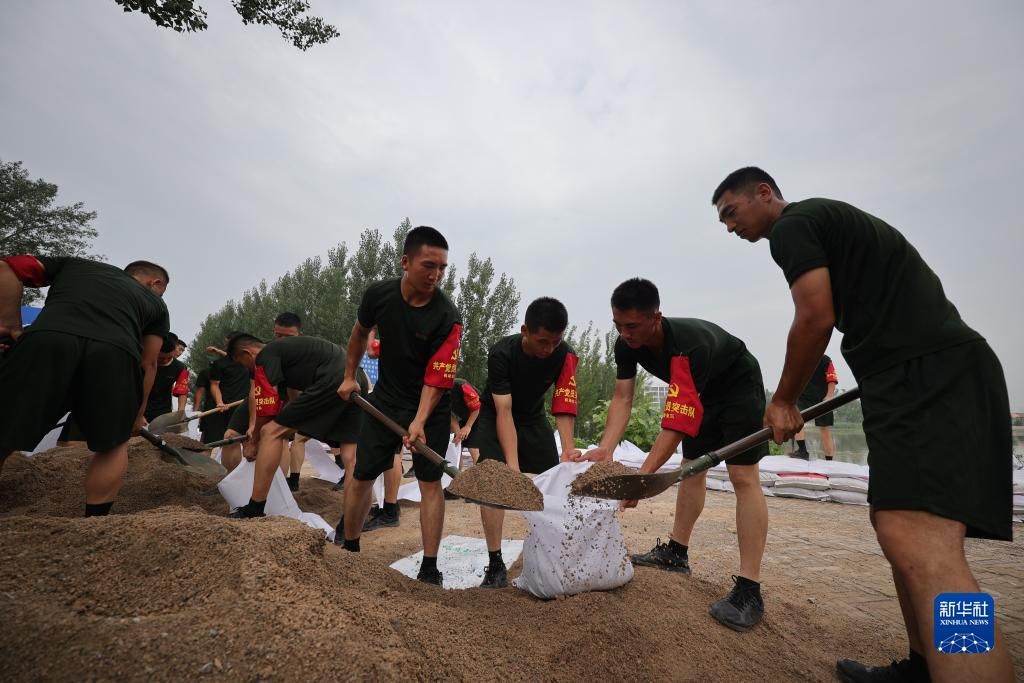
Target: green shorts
50 373
375 453
319 412
733 409
535 441
939 438
237 418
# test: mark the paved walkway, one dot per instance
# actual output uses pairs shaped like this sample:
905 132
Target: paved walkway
826 553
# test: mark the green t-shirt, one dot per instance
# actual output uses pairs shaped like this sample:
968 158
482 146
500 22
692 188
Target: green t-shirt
511 371
99 301
170 380
711 352
817 386
420 344
299 362
888 303
233 378
203 382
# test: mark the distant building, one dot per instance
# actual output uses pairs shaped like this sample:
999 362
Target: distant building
657 390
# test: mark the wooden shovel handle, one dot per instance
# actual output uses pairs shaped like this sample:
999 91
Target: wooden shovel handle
211 411
709 460
421 448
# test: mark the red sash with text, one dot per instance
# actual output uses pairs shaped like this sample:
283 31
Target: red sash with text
441 369
563 401
683 409
268 403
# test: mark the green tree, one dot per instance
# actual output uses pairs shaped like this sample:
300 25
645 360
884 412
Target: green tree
489 312
326 295
32 223
595 377
289 16
644 421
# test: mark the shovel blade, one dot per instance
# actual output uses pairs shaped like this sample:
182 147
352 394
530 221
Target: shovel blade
161 423
628 486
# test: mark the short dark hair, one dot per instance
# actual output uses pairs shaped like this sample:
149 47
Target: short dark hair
170 343
231 334
423 236
742 179
147 268
181 344
547 313
288 319
636 294
242 340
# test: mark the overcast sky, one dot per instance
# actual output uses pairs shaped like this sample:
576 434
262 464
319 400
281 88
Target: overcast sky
577 144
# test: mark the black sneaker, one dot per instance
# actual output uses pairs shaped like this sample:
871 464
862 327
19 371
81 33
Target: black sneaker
380 519
855 672
742 609
495 576
293 484
663 556
802 455
431 576
245 512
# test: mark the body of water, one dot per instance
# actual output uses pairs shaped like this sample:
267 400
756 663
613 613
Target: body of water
851 445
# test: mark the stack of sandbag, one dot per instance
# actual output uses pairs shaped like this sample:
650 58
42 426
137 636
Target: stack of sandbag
806 485
630 455
848 483
575 544
1018 495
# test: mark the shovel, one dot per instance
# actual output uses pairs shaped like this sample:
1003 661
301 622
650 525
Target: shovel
422 449
200 462
164 422
637 486
226 442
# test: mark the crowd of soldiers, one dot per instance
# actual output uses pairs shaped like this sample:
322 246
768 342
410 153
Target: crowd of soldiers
933 395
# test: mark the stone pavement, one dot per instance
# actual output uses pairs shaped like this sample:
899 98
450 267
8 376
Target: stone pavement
826 554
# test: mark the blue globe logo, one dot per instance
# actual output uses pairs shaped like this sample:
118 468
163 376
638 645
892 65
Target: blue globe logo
961 643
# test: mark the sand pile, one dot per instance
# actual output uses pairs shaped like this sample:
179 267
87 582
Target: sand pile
599 477
490 481
173 594
53 483
318 496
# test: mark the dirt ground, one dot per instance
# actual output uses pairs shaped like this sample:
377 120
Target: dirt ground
169 589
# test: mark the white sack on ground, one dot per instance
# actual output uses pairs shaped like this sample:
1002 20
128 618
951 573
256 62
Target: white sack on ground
323 462
575 544
236 488
461 560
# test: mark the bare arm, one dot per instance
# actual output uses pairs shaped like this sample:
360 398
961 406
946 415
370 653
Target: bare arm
11 290
809 335
507 436
566 425
151 344
218 399
356 349
197 398
472 420
619 411
181 403
831 391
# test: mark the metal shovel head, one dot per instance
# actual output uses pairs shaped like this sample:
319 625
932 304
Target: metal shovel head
160 424
629 486
515 481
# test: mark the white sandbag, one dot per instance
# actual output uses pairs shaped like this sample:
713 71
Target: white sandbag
848 484
1018 482
575 544
848 497
320 458
236 488
768 490
712 484
799 492
50 440
461 560
811 482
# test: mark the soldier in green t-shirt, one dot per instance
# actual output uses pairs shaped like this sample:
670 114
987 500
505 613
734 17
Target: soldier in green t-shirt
932 391
92 350
422 330
512 427
296 380
715 397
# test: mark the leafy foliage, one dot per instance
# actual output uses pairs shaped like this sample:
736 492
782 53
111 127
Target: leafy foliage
289 16
644 422
32 223
326 295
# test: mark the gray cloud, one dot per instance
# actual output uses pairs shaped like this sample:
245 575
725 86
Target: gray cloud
575 143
